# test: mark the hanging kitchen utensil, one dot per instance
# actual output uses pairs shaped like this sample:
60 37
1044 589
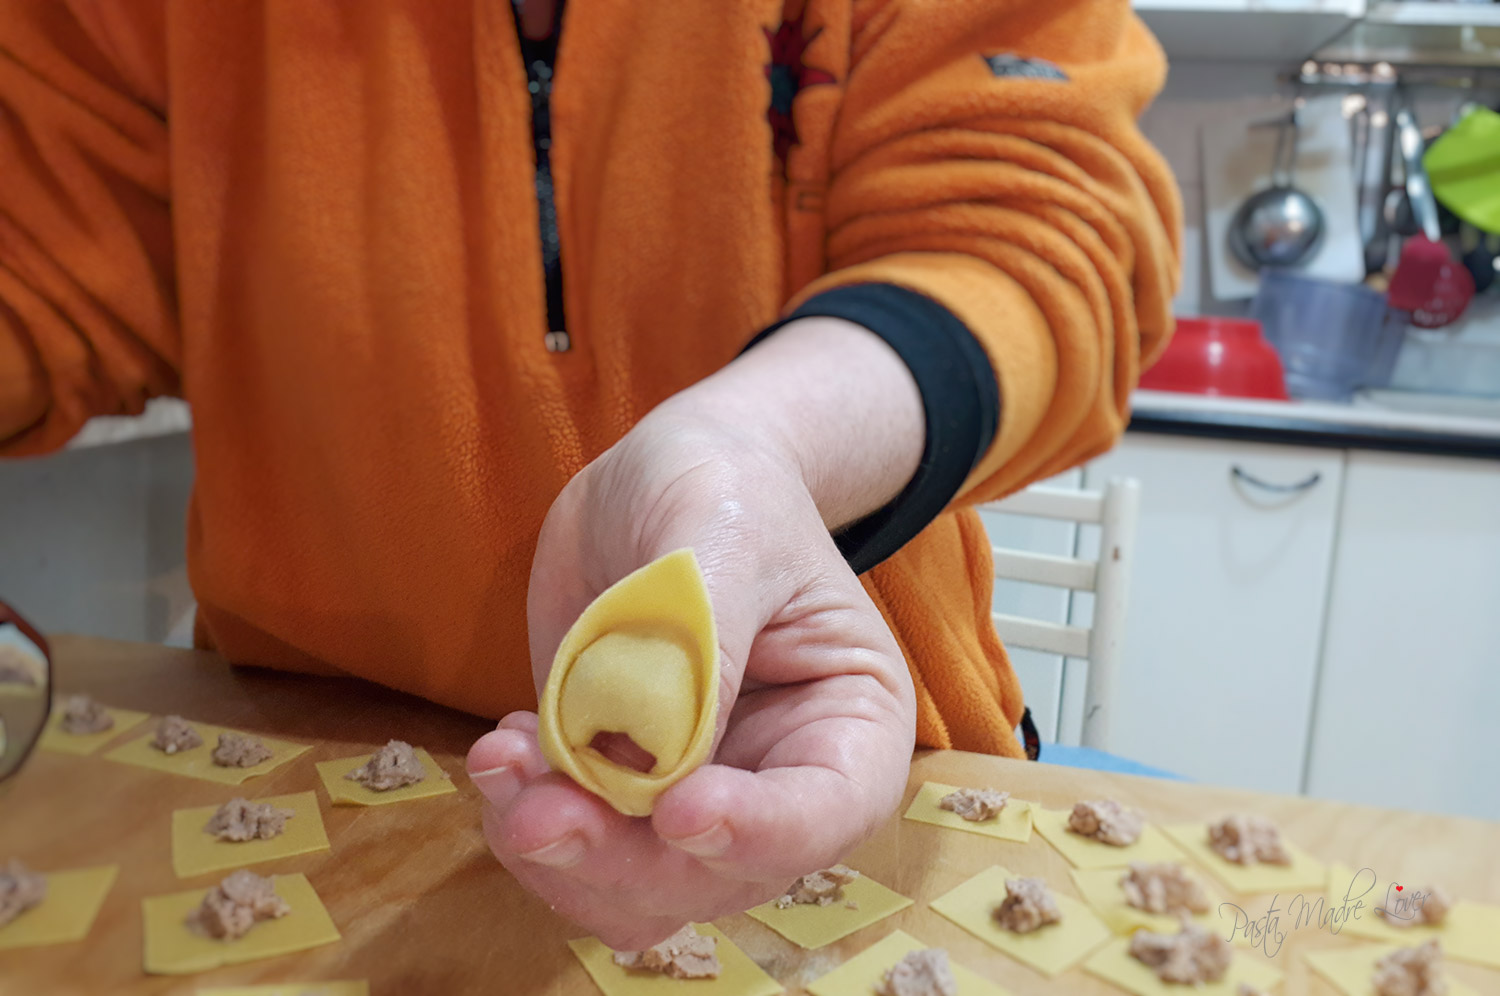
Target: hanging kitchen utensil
1374 178
1427 282
1281 225
1480 252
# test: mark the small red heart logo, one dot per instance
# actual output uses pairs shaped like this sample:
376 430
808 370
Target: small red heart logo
1398 888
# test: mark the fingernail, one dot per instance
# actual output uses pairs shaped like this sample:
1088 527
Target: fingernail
708 844
498 785
563 853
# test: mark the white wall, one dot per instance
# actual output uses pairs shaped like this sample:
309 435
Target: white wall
91 539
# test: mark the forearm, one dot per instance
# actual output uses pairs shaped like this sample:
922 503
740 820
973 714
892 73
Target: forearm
835 399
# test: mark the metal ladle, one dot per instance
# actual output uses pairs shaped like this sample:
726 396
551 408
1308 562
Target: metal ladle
1281 225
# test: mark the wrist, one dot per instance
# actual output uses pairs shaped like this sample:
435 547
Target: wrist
827 398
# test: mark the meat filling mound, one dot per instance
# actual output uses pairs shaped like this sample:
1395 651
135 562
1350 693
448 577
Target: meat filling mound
174 735
687 954
974 805
1248 840
391 767
21 889
1167 887
821 888
237 750
1191 957
921 973
240 820
235 905
1106 821
1028 906
81 716
1411 972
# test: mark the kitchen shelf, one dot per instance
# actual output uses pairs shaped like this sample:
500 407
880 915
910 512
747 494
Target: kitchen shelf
1247 30
1424 13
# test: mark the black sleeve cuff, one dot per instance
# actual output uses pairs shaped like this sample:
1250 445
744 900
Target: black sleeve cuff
960 397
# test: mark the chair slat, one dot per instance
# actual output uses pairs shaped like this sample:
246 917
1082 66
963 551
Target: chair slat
1053 503
1042 568
1051 638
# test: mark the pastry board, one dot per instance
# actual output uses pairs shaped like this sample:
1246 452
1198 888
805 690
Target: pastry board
423 907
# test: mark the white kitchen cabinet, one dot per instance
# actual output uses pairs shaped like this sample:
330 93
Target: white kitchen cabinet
1410 685
1223 630
1040 674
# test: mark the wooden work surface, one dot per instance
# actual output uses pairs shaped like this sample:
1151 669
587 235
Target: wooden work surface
424 908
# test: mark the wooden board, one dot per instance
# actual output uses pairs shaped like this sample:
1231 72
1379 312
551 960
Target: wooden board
425 909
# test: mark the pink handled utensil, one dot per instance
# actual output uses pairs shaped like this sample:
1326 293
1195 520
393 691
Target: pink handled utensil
1428 282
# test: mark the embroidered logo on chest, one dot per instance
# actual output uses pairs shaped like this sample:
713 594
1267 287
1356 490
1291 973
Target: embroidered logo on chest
1014 66
788 76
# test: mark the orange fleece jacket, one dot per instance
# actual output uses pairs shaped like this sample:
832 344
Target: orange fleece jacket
316 220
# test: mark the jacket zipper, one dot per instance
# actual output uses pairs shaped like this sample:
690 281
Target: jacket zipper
540 58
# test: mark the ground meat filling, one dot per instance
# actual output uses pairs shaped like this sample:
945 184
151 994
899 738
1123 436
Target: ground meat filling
1028 906
391 767
1192 957
821 888
18 667
685 955
237 750
1163 888
1434 910
81 716
174 735
974 805
21 889
1411 972
240 820
235 905
1106 821
921 973
1248 840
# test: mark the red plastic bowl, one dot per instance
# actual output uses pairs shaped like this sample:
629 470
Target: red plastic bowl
1226 357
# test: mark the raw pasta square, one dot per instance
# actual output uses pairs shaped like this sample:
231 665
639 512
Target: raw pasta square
173 949
195 851
861 974
72 903
1349 969
1114 964
55 738
1100 887
197 762
1054 948
343 792
811 926
739 976
1085 852
1012 823
1470 932
1304 874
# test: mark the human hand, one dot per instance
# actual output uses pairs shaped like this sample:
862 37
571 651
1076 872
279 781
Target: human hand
816 717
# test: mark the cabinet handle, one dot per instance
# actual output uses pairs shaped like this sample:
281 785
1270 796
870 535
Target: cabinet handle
1241 474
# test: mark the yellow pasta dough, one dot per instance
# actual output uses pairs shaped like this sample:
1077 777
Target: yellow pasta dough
360 988
1470 932
811 926
73 900
197 762
1085 852
345 792
195 851
55 738
1101 888
739 976
1114 964
642 660
1304 874
860 975
1013 822
1350 969
1052 949
173 949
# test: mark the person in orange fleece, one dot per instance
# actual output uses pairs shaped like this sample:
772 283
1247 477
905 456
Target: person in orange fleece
477 313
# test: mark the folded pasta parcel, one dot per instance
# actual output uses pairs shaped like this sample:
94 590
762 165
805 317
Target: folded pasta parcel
642 661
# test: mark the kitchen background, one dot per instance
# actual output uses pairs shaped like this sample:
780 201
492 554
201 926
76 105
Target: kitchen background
1315 601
